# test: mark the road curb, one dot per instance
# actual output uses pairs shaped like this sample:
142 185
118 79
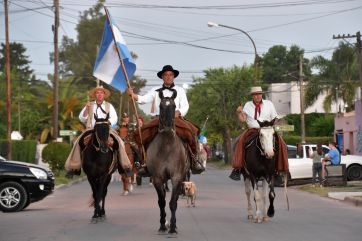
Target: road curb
61 186
353 201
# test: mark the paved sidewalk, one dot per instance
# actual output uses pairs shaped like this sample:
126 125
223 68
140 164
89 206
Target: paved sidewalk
347 196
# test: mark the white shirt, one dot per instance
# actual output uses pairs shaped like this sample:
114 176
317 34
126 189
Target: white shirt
181 101
267 113
113 118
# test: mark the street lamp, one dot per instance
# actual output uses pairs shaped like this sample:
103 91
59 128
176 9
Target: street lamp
212 24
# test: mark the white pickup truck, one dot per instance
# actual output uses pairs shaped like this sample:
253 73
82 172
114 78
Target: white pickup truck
300 165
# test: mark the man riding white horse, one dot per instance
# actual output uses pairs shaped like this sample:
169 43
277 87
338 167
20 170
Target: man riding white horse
101 108
257 109
185 129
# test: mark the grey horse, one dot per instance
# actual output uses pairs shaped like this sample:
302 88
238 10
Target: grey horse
167 158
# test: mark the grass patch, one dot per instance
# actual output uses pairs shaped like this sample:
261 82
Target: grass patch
351 187
61 179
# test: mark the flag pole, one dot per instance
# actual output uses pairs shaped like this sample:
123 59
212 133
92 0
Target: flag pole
127 80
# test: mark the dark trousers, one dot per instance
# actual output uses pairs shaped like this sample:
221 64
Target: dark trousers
317 169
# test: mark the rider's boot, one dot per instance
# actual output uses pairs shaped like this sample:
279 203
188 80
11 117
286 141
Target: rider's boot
143 171
196 166
235 174
71 173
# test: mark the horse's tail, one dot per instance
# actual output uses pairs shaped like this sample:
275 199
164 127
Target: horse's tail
285 188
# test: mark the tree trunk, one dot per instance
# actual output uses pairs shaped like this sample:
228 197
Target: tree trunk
227 146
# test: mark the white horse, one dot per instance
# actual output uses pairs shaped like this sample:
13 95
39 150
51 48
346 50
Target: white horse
260 166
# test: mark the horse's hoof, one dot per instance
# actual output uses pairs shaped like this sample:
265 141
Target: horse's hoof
172 235
162 231
102 218
250 217
94 220
125 193
258 220
266 219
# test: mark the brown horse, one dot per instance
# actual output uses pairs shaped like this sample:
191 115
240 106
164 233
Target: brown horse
167 158
133 156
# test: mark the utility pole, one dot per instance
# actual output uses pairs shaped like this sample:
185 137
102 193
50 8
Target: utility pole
359 53
55 81
8 83
302 123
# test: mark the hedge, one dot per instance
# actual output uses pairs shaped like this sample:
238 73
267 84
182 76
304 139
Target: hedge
293 140
55 154
23 150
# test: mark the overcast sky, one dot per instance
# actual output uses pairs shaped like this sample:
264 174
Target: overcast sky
149 26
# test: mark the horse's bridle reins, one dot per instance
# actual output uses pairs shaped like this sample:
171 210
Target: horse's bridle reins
97 138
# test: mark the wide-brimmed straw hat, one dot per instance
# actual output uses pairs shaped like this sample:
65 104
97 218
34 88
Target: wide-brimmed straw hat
167 68
256 90
92 93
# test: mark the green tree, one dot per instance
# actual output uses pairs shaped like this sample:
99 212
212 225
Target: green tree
335 77
77 57
217 95
278 62
26 90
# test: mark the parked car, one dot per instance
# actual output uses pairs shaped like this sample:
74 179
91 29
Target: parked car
300 165
23 183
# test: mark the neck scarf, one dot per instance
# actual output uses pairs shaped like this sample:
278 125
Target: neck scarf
257 110
164 87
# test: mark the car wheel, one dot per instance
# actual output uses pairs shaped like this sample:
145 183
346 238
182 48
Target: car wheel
27 203
354 173
13 197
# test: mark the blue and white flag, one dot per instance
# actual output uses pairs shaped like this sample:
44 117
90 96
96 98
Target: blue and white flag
108 66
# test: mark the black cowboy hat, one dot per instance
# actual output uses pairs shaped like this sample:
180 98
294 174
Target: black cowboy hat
167 68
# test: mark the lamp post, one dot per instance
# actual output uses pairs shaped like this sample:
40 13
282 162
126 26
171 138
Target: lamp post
212 24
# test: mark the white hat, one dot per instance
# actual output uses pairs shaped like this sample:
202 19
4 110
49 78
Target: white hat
256 90
92 93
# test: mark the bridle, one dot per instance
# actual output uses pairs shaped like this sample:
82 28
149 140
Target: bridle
99 147
168 101
258 143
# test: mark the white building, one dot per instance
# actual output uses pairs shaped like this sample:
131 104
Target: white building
286 98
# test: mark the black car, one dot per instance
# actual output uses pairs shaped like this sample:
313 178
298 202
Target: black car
23 183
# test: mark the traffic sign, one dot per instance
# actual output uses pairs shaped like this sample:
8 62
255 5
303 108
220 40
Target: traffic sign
284 127
67 133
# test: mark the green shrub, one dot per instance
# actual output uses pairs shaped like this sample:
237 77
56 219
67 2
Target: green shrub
293 140
55 154
23 150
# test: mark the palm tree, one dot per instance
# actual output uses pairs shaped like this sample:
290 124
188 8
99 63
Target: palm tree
337 77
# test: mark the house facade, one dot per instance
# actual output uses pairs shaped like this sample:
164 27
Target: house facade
348 126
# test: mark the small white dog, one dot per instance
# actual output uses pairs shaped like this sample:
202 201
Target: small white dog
190 192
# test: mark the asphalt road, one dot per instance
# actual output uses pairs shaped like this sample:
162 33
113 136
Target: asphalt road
220 215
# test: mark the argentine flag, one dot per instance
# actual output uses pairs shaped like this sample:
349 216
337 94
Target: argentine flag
108 66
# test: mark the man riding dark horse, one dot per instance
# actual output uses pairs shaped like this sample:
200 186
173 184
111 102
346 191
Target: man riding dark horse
186 130
100 108
263 110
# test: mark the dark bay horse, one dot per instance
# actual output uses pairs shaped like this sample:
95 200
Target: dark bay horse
98 163
260 165
167 159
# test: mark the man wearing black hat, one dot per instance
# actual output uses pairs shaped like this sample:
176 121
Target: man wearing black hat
168 74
